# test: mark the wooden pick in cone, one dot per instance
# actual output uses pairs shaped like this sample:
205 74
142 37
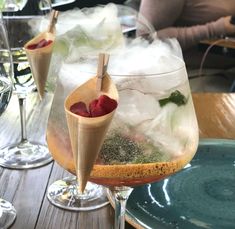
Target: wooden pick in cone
87 134
39 58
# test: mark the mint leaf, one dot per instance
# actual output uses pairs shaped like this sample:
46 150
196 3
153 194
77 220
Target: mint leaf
163 102
176 97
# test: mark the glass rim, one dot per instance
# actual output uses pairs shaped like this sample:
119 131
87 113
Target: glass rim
136 75
23 17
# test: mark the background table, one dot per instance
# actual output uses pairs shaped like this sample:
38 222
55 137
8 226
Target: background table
26 189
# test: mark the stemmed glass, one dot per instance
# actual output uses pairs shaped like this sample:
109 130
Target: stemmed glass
12 5
64 193
7 211
25 154
153 134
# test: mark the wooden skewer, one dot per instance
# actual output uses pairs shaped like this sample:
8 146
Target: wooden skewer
53 20
102 68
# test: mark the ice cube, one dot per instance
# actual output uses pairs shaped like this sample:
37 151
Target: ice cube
135 107
160 132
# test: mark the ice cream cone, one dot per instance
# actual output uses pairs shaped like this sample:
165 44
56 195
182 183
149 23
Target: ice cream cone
87 134
39 58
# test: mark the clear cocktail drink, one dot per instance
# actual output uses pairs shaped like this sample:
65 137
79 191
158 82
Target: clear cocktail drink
154 132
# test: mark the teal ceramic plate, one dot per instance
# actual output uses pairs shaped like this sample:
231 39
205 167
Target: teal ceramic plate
202 195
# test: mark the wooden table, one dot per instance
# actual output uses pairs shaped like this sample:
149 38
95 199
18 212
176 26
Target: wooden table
26 189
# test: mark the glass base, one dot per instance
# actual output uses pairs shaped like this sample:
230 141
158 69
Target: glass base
64 194
24 155
7 214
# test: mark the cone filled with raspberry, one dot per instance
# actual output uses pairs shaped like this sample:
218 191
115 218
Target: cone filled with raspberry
39 51
89 113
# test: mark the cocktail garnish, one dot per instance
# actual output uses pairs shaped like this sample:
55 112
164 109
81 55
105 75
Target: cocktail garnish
80 108
41 44
97 107
176 97
39 51
87 134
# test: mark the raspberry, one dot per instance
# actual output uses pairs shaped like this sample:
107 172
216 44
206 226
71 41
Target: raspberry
107 103
42 43
95 109
80 109
33 46
49 42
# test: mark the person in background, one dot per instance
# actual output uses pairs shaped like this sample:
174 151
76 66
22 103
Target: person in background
190 21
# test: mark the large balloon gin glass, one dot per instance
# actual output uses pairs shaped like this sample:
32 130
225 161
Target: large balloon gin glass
153 133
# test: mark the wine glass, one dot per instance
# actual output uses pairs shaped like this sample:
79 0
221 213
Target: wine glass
79 29
12 5
21 28
64 193
153 134
7 211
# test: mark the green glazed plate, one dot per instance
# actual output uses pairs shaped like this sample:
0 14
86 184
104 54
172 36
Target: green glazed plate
202 195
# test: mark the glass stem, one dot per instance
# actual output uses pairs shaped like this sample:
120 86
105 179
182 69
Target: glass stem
6 40
22 105
121 195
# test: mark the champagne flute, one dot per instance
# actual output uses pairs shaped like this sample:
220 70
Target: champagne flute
25 154
7 211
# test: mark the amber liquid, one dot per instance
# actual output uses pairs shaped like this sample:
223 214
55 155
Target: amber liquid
116 175
130 167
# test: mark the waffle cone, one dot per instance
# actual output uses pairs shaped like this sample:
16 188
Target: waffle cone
87 134
39 60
